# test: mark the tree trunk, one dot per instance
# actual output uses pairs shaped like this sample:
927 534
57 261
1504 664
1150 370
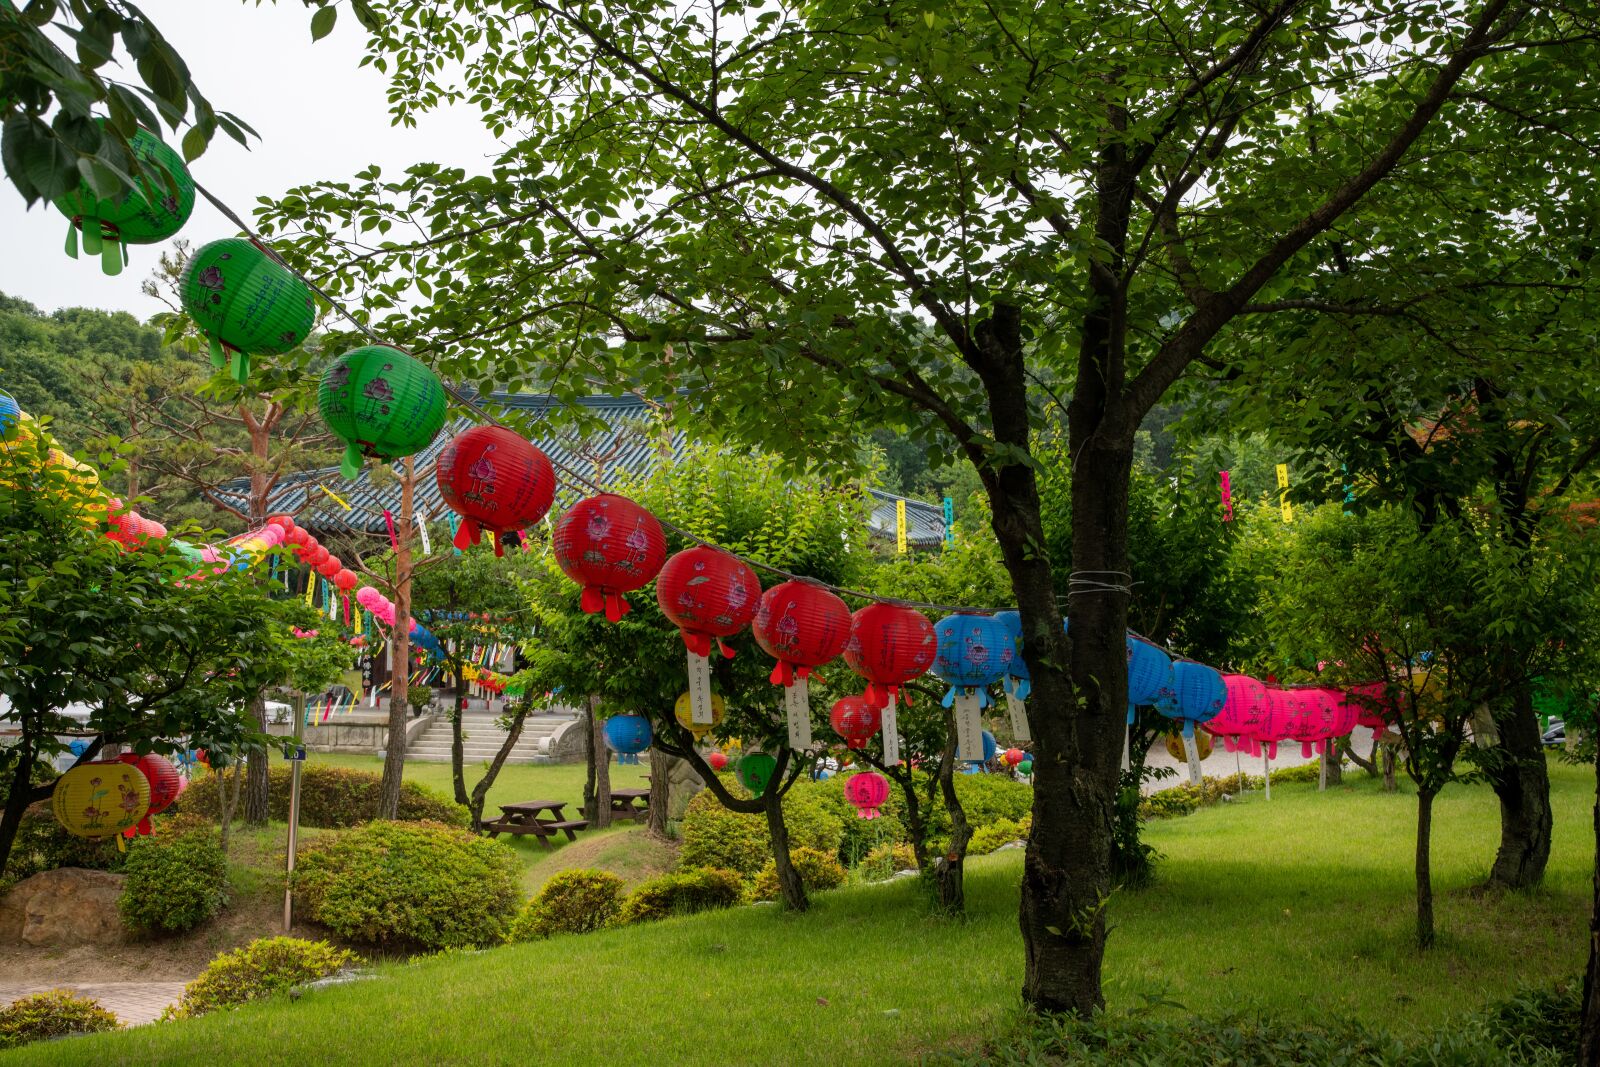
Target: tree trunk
1521 779
1589 1032
394 756
480 792
458 755
791 890
17 799
1370 762
1390 782
597 791
1077 726
1424 873
660 791
949 870
256 799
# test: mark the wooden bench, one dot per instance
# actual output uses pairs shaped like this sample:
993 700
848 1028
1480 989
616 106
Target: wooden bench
541 818
569 826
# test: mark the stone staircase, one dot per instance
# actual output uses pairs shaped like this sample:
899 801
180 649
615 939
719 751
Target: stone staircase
483 739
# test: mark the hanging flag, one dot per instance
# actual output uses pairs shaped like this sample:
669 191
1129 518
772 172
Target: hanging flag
1283 495
1349 490
334 496
949 521
891 733
900 526
797 710
422 528
1227 497
394 542
455 524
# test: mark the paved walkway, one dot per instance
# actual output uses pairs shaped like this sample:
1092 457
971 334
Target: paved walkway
134 1003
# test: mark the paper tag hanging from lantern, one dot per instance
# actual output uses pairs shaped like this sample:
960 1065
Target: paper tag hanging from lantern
797 709
891 735
968 708
422 528
1019 712
699 689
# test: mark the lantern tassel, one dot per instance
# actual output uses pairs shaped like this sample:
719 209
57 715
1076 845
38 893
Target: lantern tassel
219 359
241 366
111 257
466 534
949 700
616 607
351 466
722 646
592 600
92 243
697 642
499 545
72 240
782 674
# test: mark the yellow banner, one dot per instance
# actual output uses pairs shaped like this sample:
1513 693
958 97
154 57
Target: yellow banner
900 526
1283 497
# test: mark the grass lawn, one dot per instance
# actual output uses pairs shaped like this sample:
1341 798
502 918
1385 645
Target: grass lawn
516 781
1300 907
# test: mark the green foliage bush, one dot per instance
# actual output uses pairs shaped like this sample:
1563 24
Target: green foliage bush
987 798
1000 832
810 822
860 836
887 859
571 902
175 882
1108 1040
1186 798
1306 772
417 883
265 966
818 870
1539 1018
713 836
43 845
53 1013
331 798
682 893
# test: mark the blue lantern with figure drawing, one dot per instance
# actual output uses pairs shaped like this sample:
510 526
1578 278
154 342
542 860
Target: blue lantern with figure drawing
974 652
628 734
1200 693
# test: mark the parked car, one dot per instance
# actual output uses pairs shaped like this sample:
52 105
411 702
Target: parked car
1555 736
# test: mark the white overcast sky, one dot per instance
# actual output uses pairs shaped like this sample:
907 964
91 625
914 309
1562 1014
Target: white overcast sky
319 116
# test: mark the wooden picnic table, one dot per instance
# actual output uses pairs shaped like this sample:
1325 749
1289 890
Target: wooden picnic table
624 802
530 817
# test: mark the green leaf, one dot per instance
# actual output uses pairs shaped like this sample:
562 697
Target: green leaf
194 144
322 22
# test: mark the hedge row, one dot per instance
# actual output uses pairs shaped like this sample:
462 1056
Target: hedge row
331 798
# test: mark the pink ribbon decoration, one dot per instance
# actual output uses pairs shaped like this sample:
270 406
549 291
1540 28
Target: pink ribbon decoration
1227 498
394 542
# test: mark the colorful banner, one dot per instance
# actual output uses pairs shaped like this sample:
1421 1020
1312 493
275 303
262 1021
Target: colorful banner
1283 494
1227 497
949 521
900 526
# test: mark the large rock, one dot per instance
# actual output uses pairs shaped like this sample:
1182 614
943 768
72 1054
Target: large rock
67 906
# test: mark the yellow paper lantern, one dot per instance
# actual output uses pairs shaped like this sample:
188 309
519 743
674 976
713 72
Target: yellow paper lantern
101 799
685 713
1202 741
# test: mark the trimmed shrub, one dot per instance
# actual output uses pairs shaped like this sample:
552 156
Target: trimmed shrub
682 893
571 902
987 798
54 1013
809 821
860 836
1186 798
43 845
986 839
1306 772
175 881
817 870
331 798
419 883
265 966
886 860
713 836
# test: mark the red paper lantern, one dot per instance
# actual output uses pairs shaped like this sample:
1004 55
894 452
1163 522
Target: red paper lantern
495 481
707 593
345 580
610 546
803 626
855 720
718 761
296 536
329 567
889 645
165 785
1014 756
282 522
868 791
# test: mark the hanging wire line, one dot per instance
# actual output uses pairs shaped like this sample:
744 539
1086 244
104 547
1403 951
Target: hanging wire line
1079 583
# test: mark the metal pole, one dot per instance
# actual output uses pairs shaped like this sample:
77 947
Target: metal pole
298 701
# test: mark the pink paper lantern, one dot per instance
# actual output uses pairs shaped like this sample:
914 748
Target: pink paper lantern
868 791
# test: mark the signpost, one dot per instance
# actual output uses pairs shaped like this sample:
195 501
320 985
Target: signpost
297 758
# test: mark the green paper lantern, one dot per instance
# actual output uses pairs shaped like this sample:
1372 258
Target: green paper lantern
148 213
246 302
1025 768
755 771
380 402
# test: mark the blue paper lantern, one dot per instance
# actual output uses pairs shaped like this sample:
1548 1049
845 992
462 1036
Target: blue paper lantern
1017 670
1149 676
1200 693
78 747
990 748
10 416
628 734
974 652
